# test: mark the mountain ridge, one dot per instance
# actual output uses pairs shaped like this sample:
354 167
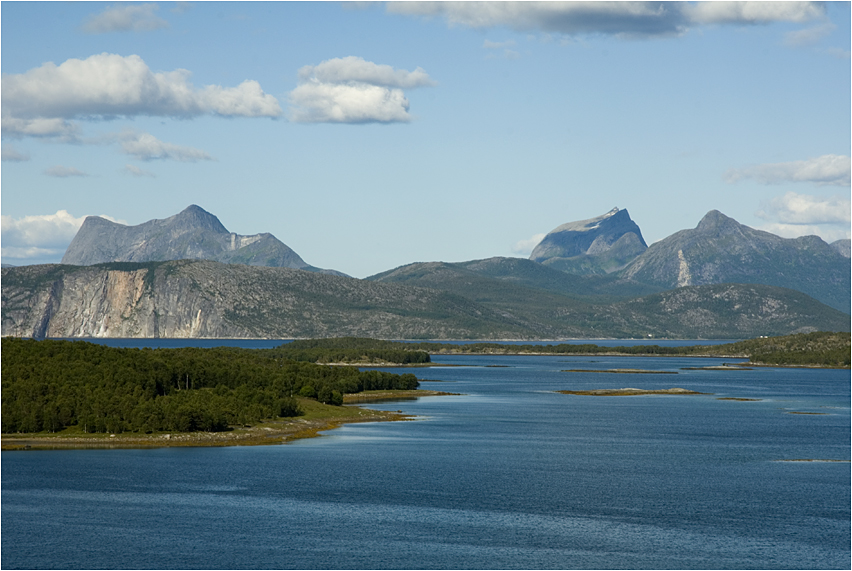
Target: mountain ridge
721 250
192 233
206 299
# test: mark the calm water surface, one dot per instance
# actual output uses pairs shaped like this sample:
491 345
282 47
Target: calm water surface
509 475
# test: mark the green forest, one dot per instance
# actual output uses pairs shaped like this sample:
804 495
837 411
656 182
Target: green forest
352 350
50 385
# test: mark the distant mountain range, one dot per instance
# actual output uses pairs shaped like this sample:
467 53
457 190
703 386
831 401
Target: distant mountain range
193 233
476 300
718 250
187 276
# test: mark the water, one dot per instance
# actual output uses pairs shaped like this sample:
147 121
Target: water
164 343
508 475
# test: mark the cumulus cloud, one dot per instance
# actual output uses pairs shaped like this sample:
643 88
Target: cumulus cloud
137 172
125 18
147 147
63 172
793 215
525 247
40 238
353 90
752 12
353 69
44 101
626 19
108 85
825 170
793 208
10 153
58 129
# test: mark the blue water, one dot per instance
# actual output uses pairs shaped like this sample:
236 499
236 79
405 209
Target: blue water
272 343
508 475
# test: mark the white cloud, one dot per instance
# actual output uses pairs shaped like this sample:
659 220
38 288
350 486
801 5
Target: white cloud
832 170
39 238
827 233
352 69
124 18
352 90
40 101
63 172
808 36
627 19
793 208
146 147
793 215
137 172
59 129
10 153
525 247
752 12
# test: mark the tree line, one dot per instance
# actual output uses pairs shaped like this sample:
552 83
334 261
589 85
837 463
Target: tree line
351 350
50 385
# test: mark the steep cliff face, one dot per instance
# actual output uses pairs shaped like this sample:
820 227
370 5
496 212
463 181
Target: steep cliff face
203 299
187 299
191 234
596 246
721 250
50 301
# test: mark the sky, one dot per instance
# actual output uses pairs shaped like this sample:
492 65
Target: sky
369 135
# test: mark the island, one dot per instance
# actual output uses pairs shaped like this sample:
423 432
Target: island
631 392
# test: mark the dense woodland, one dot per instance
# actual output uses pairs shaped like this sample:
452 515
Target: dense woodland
50 385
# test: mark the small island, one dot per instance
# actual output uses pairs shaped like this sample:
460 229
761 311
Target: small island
631 392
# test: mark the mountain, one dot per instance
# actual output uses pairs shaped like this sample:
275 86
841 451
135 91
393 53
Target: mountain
844 247
599 245
199 298
499 278
721 250
191 234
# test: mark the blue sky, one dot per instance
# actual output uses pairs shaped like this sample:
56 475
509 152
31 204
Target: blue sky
370 135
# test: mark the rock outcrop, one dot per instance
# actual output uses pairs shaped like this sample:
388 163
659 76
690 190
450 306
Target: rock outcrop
192 234
599 245
203 299
721 250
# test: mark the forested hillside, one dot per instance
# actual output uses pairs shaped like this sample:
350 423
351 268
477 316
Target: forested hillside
50 385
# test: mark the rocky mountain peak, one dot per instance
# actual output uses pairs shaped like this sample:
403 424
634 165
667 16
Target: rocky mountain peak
192 233
594 246
194 217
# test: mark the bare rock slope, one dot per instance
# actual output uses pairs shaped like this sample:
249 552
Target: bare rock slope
191 234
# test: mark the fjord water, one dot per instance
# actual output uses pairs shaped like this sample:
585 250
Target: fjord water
508 475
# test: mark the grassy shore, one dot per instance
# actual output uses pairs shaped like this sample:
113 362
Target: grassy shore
317 418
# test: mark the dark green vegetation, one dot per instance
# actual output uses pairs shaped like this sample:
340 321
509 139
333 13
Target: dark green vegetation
352 350
819 349
51 385
824 349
